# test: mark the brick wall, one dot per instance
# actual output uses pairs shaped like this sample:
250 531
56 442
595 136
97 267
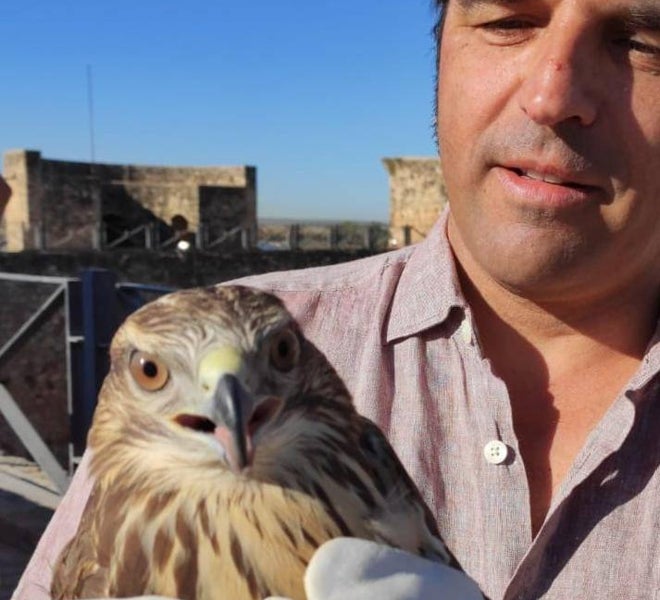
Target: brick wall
35 376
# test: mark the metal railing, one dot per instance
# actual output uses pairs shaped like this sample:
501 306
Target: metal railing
155 235
94 305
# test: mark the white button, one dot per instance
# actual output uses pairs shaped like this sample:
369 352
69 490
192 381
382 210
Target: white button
496 452
465 331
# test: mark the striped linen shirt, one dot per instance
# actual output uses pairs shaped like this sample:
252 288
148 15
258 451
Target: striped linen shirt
400 333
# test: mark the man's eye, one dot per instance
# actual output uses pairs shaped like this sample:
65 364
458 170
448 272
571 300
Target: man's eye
632 40
508 31
507 24
644 48
639 53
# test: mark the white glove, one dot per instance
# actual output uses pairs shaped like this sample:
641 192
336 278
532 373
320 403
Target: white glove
355 569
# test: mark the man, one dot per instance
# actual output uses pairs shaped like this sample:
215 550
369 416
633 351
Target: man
512 357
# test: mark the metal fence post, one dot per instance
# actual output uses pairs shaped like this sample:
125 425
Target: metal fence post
334 237
246 243
369 237
94 317
149 241
294 237
200 237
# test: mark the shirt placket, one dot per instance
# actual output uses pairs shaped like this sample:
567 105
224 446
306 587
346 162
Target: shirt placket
530 581
506 519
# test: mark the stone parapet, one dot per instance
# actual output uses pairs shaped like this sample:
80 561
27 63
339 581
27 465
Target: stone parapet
417 196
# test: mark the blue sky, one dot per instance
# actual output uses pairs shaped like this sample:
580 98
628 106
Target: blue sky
313 93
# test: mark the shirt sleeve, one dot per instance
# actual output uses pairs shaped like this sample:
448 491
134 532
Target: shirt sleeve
36 579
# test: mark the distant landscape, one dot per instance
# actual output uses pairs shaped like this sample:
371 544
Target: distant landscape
276 234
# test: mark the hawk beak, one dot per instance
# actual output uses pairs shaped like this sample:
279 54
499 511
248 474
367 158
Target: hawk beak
233 406
234 415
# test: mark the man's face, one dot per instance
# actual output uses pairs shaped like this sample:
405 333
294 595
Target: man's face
549 128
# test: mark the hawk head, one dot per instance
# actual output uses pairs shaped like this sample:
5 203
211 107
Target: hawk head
209 377
225 448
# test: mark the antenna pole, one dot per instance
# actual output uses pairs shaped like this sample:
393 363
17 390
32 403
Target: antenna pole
90 108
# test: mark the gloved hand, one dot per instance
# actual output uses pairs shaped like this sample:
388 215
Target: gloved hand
355 569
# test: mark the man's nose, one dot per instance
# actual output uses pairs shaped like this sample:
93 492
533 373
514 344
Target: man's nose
559 81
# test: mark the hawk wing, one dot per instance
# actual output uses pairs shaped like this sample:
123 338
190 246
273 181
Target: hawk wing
77 573
394 483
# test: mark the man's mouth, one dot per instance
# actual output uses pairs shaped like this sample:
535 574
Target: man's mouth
547 187
547 178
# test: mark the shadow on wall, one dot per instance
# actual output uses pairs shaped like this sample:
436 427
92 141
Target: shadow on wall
125 223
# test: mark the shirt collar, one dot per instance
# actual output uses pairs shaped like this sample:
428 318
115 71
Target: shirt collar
428 287
650 366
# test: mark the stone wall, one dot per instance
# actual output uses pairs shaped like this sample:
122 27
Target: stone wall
35 375
417 196
62 205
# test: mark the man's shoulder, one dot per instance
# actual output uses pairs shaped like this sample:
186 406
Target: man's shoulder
359 274
410 288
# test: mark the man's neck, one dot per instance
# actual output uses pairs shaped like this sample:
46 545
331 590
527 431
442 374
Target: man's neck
563 363
546 350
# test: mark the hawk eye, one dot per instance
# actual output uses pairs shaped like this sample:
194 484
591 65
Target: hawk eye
284 350
149 372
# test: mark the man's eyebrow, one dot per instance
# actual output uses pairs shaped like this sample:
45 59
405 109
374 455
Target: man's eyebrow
467 5
471 4
638 16
642 17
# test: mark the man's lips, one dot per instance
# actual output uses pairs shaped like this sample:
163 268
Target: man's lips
551 176
560 171
546 187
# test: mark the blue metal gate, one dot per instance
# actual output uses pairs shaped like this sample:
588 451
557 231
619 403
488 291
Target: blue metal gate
95 304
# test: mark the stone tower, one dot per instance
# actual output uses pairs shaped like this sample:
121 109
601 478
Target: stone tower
417 196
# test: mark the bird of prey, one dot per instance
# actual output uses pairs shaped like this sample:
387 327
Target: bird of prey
225 451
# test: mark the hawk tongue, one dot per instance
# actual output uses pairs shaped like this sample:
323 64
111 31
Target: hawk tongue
233 447
233 406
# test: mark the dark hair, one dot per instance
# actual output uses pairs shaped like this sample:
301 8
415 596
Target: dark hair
440 6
